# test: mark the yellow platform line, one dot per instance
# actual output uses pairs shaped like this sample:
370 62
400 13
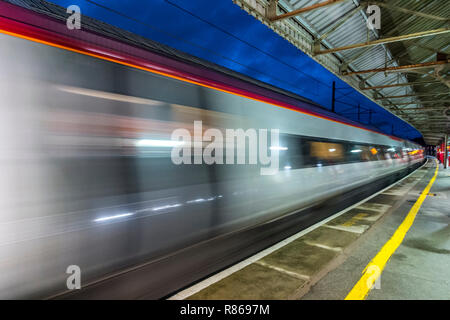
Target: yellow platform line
373 270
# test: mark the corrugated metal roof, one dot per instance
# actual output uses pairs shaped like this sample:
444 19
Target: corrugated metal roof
398 17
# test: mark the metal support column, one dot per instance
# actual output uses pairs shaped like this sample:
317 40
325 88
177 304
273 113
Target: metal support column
445 151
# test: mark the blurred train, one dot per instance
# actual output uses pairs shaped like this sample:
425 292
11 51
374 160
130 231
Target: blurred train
79 185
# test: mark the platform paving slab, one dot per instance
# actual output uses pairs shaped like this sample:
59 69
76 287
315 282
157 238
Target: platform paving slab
254 282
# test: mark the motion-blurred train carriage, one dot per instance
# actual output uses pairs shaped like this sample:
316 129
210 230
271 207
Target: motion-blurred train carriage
78 186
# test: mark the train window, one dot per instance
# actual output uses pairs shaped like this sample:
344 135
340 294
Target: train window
374 153
392 153
358 153
327 153
292 157
354 152
304 152
381 153
387 152
365 155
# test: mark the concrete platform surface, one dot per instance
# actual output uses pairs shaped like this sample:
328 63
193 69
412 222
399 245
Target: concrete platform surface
326 260
419 268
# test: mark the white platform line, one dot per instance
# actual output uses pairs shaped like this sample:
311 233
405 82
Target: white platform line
225 273
381 208
353 229
287 272
323 246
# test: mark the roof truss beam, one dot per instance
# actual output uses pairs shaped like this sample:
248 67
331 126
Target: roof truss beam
416 35
423 109
406 84
402 68
413 95
421 102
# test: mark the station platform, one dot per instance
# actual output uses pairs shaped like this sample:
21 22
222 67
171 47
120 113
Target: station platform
392 245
